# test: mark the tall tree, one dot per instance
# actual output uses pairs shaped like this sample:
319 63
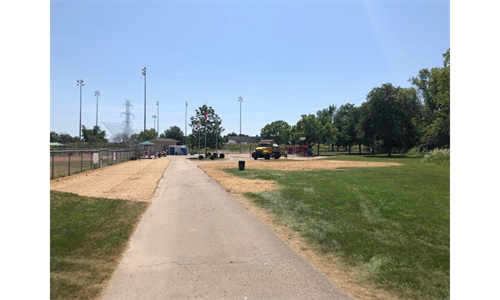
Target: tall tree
174 132
328 112
66 138
206 119
53 137
309 127
316 130
122 139
89 135
346 121
279 131
434 90
327 131
138 137
388 117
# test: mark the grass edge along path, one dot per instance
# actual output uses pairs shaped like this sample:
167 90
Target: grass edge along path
88 237
391 225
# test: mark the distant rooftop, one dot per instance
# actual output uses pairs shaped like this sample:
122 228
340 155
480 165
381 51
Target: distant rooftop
163 140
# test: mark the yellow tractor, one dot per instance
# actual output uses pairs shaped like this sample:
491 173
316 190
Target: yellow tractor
267 149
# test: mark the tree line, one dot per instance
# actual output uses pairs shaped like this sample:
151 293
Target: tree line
393 119
121 140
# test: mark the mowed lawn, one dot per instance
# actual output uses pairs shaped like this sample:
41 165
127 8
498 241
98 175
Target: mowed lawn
87 239
391 224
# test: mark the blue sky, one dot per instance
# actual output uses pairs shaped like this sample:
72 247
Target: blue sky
285 58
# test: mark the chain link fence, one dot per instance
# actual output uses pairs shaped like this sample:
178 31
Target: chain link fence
68 162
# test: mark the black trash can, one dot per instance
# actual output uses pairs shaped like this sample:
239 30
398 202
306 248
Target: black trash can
241 165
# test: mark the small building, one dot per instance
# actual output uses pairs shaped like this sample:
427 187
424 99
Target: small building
163 144
178 150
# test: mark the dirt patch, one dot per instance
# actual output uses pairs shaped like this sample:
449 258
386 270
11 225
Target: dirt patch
133 180
235 184
298 165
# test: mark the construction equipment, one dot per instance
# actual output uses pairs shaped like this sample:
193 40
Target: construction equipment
267 149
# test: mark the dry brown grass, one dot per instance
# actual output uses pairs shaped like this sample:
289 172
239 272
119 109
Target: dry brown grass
242 185
132 180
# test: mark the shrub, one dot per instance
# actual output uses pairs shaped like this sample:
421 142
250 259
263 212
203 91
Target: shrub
222 155
438 157
417 151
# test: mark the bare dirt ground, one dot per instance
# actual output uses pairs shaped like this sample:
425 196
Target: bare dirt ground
133 180
242 185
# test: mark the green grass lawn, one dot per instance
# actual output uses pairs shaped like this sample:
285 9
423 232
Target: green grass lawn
87 238
392 224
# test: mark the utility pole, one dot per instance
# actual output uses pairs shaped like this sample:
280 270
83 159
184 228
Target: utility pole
206 119
216 136
199 137
240 99
80 83
158 120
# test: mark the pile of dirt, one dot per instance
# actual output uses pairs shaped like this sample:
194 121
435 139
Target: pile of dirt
133 180
241 185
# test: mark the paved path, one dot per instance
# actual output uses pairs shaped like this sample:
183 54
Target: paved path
196 242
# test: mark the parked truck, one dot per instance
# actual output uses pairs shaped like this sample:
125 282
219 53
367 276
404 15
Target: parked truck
266 150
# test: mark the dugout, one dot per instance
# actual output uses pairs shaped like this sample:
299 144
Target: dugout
146 150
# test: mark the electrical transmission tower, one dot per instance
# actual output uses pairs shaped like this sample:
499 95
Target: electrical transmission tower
127 128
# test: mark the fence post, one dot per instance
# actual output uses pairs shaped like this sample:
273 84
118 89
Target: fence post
52 176
69 163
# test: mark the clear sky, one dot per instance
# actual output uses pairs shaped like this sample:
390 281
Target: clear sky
285 58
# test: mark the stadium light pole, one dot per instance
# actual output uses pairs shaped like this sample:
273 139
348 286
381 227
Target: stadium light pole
186 124
155 117
97 94
144 73
158 118
240 99
80 83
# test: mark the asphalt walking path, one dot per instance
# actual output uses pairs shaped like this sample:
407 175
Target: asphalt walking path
196 242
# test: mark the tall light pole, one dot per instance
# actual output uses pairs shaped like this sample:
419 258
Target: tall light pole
144 73
80 83
97 94
186 124
240 99
158 120
154 123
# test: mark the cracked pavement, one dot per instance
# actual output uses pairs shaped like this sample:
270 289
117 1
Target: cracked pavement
196 242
